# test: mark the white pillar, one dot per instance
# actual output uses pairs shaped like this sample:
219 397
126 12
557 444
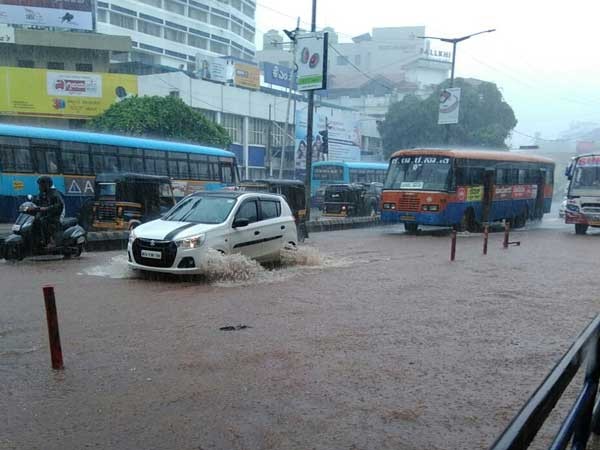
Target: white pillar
245 139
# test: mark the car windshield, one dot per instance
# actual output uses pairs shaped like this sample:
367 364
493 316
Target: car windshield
419 172
201 209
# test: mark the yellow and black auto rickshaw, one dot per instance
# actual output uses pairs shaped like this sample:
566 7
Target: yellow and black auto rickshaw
125 200
294 193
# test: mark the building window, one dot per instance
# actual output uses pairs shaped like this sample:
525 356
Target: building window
26 63
218 48
53 65
236 28
219 21
236 53
174 94
257 132
234 126
174 35
155 3
83 67
248 10
237 4
175 7
151 18
101 15
149 28
357 60
198 14
122 21
197 41
342 61
248 35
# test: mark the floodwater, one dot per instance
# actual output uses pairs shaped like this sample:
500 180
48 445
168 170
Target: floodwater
364 339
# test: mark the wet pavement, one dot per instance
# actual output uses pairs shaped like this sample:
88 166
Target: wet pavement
366 339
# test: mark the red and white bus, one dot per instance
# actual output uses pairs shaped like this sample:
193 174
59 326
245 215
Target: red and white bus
465 188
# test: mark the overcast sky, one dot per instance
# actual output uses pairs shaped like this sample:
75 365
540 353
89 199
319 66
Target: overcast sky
544 56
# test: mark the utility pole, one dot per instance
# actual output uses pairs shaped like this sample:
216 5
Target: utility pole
454 41
270 143
292 35
309 125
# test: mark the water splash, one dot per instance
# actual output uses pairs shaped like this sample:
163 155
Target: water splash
117 268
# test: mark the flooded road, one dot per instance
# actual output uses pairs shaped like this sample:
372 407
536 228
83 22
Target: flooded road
366 339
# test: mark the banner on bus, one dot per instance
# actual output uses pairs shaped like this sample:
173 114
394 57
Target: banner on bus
72 14
449 106
69 95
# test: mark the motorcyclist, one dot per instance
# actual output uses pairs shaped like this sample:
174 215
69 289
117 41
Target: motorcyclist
49 208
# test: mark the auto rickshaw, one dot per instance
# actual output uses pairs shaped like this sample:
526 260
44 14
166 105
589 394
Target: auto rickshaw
345 200
294 193
125 200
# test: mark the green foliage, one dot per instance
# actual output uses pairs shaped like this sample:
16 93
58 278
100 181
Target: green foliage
485 119
161 118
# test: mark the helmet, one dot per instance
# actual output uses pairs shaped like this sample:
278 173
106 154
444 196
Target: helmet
45 179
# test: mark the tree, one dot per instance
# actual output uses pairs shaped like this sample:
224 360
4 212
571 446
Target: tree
485 119
160 117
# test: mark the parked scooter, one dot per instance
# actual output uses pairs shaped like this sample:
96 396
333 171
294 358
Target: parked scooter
23 241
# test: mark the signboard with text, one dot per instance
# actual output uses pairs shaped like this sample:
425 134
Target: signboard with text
449 106
278 75
70 95
312 63
73 14
246 75
216 69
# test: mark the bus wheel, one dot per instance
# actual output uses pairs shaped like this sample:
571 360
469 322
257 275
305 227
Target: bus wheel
411 228
521 220
580 228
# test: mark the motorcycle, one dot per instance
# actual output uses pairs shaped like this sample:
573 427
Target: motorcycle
22 242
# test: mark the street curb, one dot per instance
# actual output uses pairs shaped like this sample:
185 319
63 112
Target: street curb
117 240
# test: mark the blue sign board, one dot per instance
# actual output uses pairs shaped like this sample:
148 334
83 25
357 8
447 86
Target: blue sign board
278 75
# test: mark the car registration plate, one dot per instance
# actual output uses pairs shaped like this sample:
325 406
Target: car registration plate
408 218
151 254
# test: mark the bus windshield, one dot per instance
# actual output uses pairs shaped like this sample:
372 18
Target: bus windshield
586 178
419 172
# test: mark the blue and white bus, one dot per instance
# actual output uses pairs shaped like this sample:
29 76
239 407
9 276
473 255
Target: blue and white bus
73 158
330 172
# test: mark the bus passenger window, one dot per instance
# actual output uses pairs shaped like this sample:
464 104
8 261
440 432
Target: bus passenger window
226 173
521 179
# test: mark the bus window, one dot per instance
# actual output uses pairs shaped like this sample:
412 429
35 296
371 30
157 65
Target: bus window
130 160
75 158
45 155
15 155
104 158
521 176
213 162
178 165
227 172
199 167
499 176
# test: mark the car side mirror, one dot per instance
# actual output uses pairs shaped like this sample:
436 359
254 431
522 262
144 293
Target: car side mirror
241 223
29 197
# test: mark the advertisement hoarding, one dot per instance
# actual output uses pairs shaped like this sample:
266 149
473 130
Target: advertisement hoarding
449 106
44 93
343 135
73 14
216 69
246 75
312 62
278 75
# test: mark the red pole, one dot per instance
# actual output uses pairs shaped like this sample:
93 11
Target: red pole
53 334
506 229
486 234
453 246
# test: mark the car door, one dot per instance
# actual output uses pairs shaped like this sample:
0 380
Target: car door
273 227
247 240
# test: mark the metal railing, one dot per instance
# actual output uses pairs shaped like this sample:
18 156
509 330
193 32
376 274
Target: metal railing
583 417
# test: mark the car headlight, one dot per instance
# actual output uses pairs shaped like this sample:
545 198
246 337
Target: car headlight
191 242
132 235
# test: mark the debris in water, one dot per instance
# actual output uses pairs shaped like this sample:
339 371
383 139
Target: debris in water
232 328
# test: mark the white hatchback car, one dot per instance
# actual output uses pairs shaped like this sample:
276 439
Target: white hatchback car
254 224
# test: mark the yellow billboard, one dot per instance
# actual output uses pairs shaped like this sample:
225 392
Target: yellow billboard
246 75
61 94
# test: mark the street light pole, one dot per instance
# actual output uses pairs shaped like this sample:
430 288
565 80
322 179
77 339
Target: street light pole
454 42
309 125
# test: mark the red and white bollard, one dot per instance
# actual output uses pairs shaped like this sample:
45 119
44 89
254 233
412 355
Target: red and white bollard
53 333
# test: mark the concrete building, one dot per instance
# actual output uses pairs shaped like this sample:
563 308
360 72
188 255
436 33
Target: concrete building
374 69
172 32
56 50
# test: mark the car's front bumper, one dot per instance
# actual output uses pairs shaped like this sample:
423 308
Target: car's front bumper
197 254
